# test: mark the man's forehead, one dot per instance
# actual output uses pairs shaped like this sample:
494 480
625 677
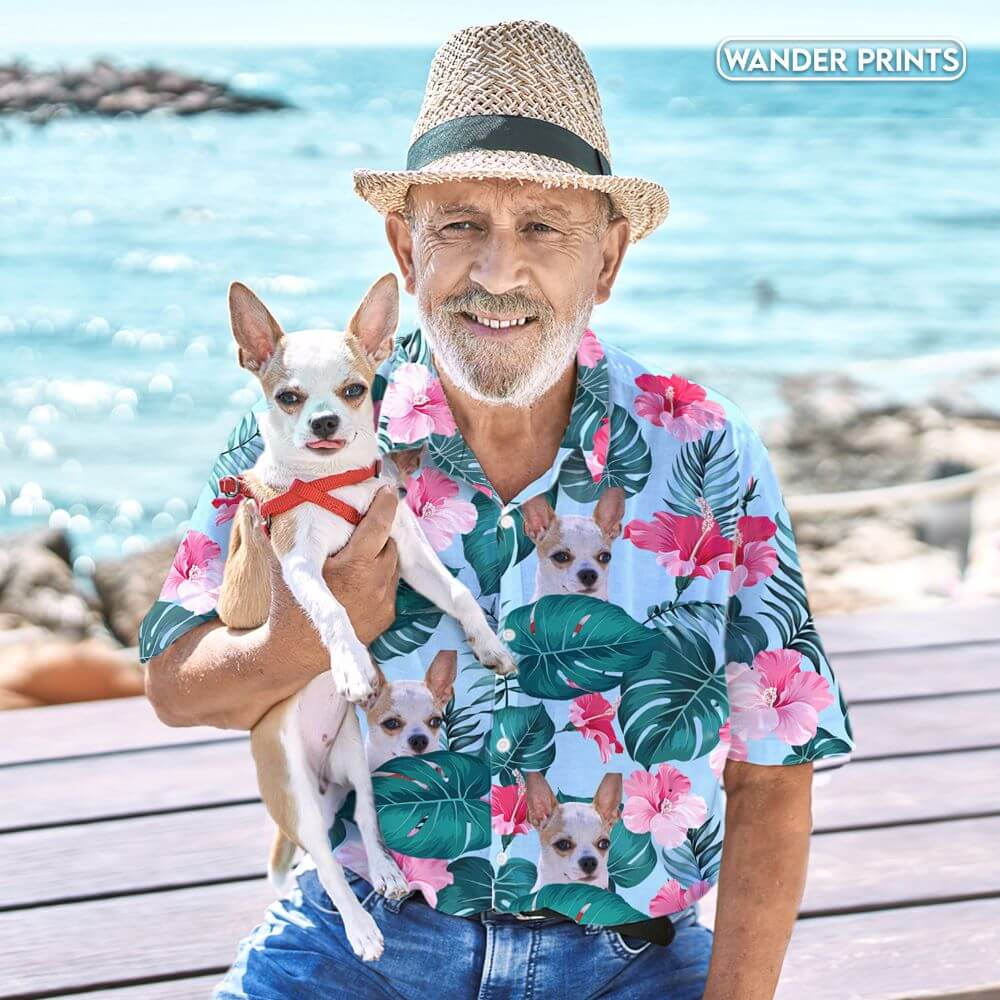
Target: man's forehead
501 195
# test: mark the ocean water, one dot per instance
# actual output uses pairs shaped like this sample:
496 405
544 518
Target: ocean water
872 212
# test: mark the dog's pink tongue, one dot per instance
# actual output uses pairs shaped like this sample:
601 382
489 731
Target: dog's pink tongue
324 444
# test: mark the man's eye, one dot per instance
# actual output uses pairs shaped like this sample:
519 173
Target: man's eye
458 225
542 227
561 557
287 398
355 390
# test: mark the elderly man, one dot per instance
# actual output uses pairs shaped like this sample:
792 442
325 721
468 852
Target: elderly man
626 532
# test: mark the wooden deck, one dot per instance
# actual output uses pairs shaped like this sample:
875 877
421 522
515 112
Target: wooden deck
132 855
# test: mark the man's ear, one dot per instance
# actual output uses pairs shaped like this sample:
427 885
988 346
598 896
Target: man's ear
375 320
256 331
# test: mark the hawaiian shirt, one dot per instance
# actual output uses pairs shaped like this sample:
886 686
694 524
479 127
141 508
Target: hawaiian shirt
659 652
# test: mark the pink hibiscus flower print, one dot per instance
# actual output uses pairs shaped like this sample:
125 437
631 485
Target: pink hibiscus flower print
598 458
729 747
593 717
426 874
753 559
684 545
662 804
776 696
416 405
196 574
509 809
678 405
590 350
673 897
433 497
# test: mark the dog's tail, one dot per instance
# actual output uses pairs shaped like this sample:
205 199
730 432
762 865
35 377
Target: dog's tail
279 864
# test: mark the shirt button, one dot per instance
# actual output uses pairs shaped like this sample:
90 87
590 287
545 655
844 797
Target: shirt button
508 635
503 744
506 521
502 858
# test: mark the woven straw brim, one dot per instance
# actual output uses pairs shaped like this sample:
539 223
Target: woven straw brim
644 203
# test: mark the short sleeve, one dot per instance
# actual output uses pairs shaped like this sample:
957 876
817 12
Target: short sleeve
190 593
786 705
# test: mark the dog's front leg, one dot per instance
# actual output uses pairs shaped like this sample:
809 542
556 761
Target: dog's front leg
421 568
350 663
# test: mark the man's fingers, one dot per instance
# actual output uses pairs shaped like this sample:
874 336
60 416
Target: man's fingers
370 535
387 562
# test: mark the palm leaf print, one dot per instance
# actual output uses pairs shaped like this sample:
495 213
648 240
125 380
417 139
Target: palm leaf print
785 596
435 805
465 725
703 470
706 617
163 623
415 622
823 744
243 448
585 904
574 638
672 706
472 890
632 856
589 405
455 459
628 463
699 857
531 734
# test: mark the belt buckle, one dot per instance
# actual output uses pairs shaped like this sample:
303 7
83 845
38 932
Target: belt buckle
530 916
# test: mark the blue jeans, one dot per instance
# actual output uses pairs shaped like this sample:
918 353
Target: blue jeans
300 952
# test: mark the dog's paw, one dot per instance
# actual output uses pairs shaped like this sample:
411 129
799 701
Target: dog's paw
387 879
364 935
354 675
492 653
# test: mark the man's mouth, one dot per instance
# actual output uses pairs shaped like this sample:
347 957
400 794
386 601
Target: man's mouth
493 326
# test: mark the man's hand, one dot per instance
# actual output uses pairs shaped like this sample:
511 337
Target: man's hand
363 577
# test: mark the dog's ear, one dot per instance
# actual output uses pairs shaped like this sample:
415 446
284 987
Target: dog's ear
609 512
441 674
608 797
256 331
542 804
538 517
375 320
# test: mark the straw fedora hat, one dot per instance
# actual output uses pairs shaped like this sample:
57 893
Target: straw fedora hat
514 100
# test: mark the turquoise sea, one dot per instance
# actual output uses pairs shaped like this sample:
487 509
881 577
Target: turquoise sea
870 214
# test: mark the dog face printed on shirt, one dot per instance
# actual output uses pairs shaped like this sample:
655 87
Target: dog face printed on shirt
574 837
405 718
574 551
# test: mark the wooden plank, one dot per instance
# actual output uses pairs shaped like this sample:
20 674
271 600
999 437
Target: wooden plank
917 672
921 951
960 721
197 988
115 941
126 856
897 629
95 727
126 784
867 793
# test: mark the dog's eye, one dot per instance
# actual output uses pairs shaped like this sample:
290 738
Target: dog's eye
563 845
562 557
435 721
355 390
392 724
287 398
604 558
603 844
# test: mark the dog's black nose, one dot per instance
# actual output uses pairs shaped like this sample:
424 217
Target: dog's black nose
325 426
588 577
589 864
418 743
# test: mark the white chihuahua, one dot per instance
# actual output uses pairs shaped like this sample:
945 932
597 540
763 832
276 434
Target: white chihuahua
313 482
575 837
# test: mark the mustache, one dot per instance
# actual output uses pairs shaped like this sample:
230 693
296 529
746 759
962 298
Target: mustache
509 302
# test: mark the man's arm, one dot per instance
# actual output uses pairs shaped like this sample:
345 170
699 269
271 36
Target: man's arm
219 676
762 877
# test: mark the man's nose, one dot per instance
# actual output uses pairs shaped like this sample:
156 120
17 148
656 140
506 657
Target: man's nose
325 425
588 577
589 864
499 266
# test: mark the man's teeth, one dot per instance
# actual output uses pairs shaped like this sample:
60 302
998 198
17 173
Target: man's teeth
501 324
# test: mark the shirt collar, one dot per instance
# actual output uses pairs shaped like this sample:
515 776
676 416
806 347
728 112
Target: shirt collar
413 411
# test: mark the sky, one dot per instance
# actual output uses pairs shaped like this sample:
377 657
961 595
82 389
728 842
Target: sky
105 23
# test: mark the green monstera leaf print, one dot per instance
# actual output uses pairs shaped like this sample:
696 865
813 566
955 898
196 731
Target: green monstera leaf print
589 405
574 638
531 733
698 858
164 621
415 622
672 706
472 890
514 880
491 549
823 744
585 904
628 463
745 636
433 806
632 856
